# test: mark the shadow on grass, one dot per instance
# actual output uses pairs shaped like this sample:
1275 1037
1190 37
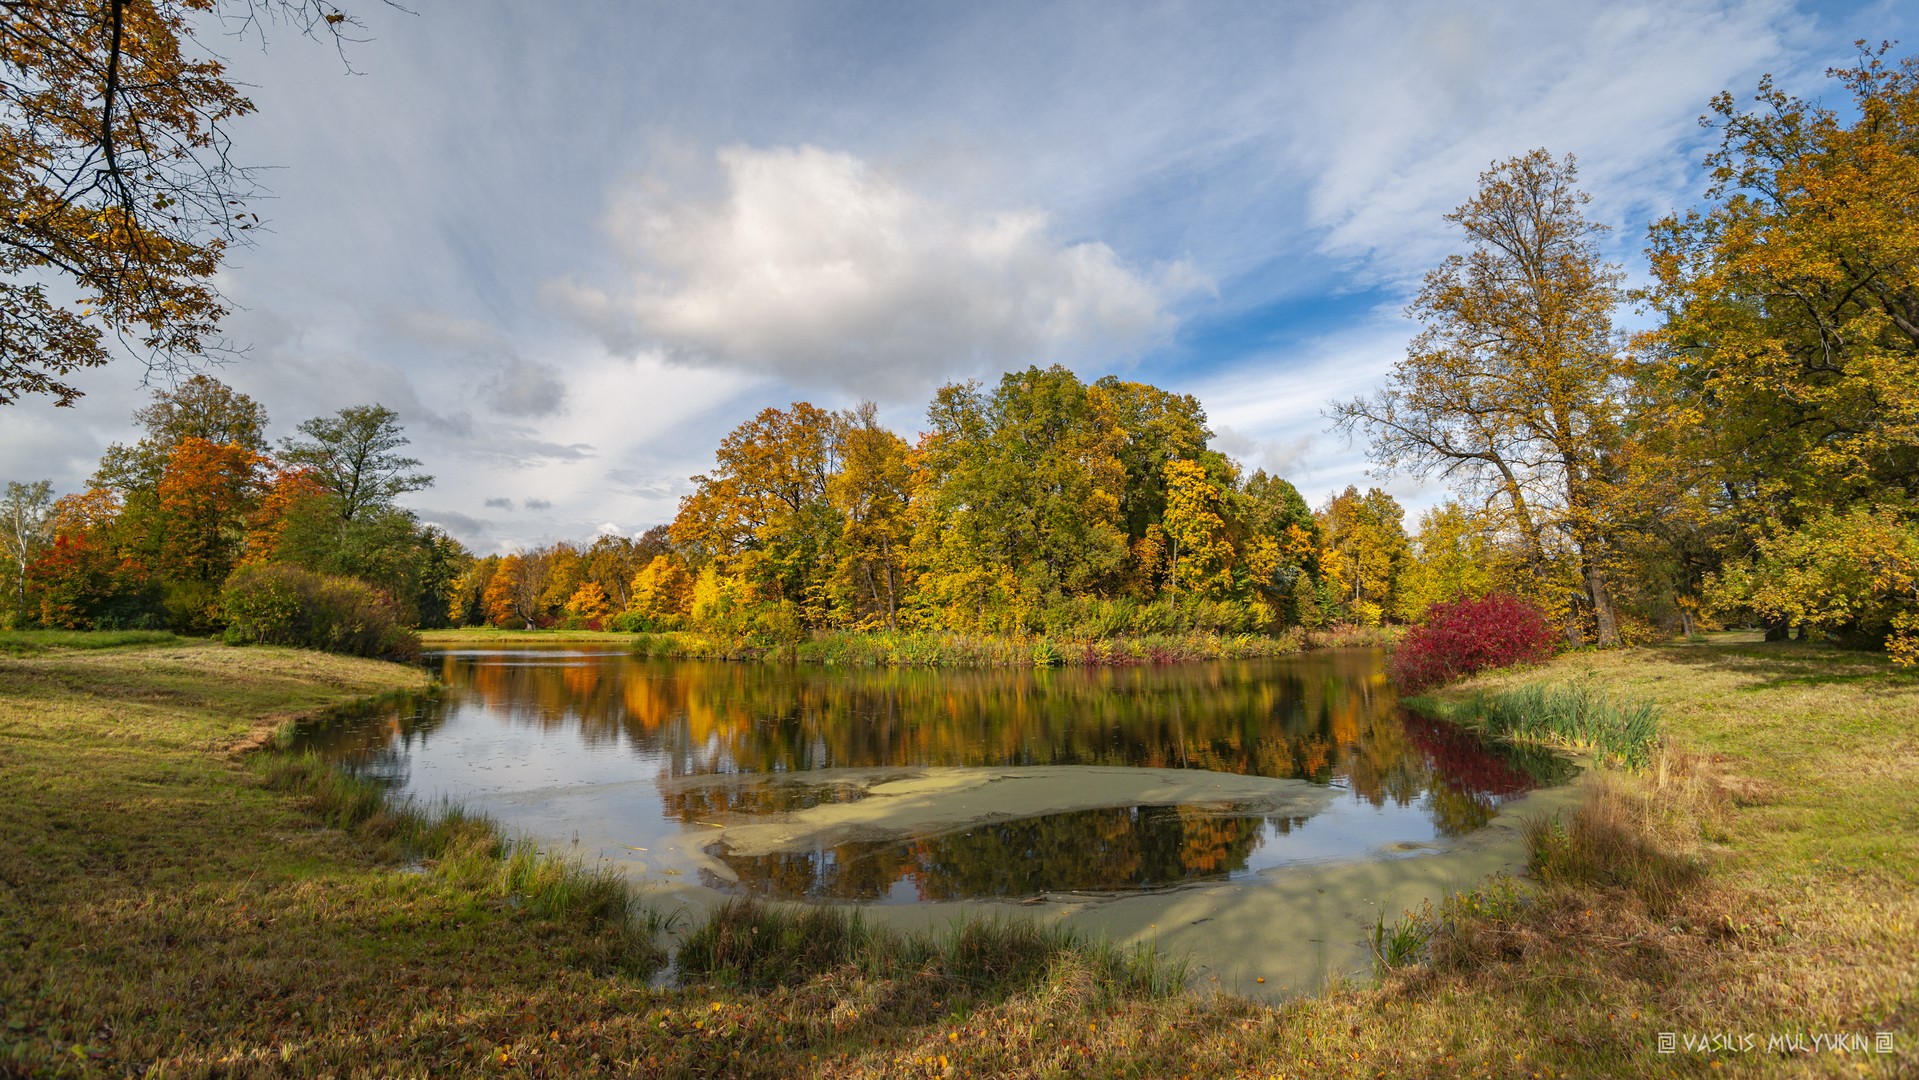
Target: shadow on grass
749 945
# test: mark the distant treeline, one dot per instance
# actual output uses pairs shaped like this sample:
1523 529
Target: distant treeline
200 525
1045 505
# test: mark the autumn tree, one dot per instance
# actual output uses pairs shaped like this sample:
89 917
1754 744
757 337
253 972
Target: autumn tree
84 579
1200 557
662 590
205 495
763 511
1514 384
611 562
503 598
292 519
1779 391
871 492
201 407
119 194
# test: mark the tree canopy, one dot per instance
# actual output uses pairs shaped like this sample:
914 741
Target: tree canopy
120 195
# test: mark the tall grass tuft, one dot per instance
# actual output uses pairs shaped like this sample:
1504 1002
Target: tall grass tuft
1400 945
1567 716
1616 840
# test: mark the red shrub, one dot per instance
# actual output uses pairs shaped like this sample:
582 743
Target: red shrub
1461 637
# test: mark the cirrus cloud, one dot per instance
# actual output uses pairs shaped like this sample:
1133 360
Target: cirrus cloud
817 267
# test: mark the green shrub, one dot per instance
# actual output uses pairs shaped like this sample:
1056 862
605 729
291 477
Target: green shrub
284 605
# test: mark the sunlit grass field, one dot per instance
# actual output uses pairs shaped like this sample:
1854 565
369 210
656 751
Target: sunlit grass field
170 906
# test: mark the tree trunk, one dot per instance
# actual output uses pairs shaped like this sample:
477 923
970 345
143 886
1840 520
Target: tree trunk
1778 630
1603 612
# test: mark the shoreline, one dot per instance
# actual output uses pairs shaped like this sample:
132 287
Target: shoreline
937 649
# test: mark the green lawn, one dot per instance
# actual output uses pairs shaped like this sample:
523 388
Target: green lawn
164 910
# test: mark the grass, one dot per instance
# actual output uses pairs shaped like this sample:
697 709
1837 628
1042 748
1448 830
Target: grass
759 946
31 642
170 909
1567 716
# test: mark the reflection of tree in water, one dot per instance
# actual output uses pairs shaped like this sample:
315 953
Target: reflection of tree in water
375 742
1327 718
1087 850
707 801
1470 778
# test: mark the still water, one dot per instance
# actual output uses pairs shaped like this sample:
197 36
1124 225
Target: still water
904 786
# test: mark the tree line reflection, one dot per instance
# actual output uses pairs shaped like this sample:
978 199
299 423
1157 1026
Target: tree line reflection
1326 718
1078 851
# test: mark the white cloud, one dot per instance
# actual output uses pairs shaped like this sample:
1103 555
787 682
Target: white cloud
1270 411
817 267
1446 90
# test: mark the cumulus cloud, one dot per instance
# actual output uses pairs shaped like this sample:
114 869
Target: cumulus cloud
500 503
537 504
817 267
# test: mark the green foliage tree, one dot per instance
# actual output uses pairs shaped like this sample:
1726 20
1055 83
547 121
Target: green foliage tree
1018 499
354 454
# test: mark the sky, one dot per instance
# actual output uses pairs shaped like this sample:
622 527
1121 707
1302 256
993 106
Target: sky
574 244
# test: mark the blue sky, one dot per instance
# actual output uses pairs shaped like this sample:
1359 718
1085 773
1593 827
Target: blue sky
574 244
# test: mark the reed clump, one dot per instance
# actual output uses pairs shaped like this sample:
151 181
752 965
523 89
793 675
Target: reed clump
1567 716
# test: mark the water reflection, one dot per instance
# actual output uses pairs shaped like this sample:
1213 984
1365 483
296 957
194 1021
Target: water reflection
525 733
1079 851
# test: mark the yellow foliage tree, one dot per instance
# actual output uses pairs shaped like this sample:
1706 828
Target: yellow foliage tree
589 601
1201 559
662 589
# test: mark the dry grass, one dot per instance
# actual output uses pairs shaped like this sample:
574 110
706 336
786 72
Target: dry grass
163 909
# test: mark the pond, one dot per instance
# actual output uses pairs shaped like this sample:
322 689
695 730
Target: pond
911 787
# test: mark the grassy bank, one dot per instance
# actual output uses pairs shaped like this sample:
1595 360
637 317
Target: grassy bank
913 649
164 904
32 642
